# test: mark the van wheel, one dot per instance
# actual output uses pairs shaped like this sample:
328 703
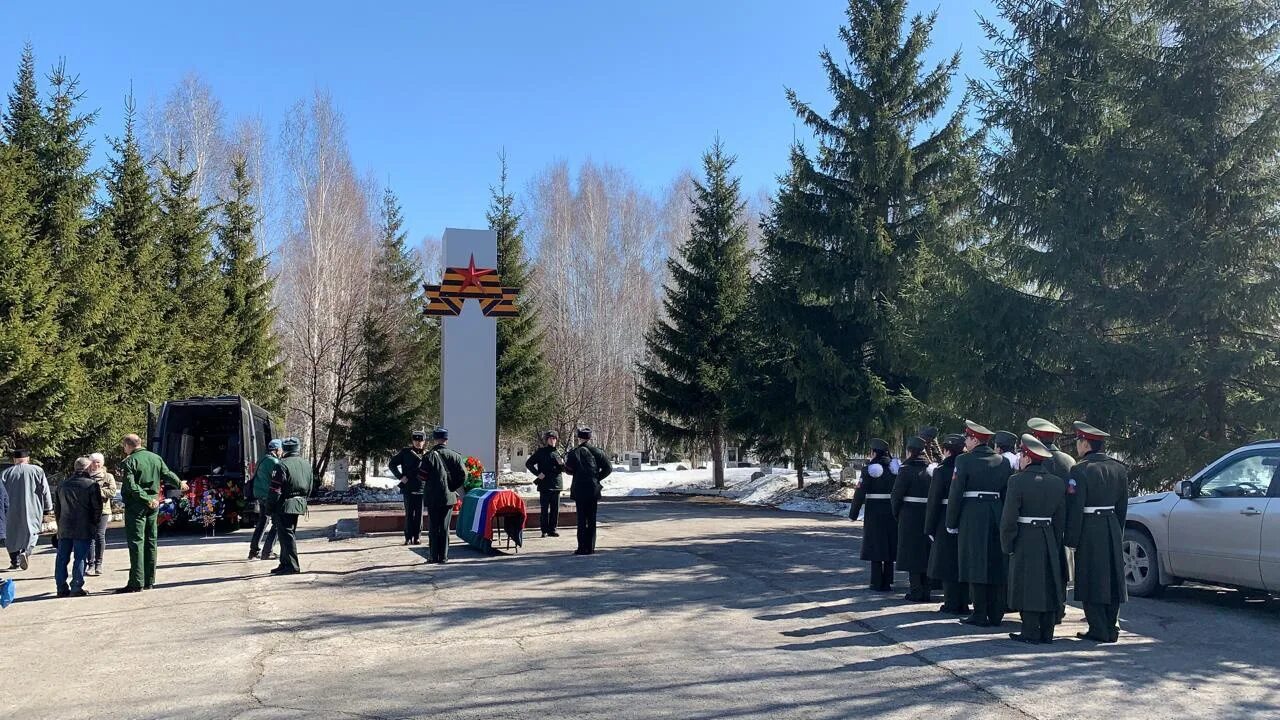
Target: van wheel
1141 573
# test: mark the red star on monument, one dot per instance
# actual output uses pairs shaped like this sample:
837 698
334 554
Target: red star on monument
471 276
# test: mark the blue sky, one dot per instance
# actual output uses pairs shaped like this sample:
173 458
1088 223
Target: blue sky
432 90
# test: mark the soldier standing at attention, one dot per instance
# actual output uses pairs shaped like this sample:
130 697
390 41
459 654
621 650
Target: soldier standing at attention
944 560
141 475
1060 464
548 466
290 487
589 466
1031 532
879 529
909 501
1097 503
442 472
973 512
404 466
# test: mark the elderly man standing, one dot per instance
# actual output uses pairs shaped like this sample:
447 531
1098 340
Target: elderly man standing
107 489
290 487
29 501
78 506
142 474
261 488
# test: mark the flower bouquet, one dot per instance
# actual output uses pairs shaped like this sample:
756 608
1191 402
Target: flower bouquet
475 475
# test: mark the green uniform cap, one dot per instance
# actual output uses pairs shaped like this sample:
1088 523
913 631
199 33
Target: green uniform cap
1041 425
973 429
1089 432
1032 446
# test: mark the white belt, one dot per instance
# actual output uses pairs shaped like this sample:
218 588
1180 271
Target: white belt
944 501
1032 520
914 499
878 496
1099 508
982 495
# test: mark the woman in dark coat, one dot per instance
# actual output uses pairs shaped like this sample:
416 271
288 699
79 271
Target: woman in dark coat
879 529
944 558
910 497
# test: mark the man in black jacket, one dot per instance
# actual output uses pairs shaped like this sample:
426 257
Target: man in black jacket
78 505
404 466
589 466
547 464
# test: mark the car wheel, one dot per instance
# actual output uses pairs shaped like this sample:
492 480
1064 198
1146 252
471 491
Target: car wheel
1141 574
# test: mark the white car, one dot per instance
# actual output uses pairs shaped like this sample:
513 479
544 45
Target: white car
1221 527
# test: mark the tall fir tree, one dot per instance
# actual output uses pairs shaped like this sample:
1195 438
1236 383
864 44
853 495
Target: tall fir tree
523 376
24 127
131 364
40 377
197 346
397 383
684 390
248 316
884 190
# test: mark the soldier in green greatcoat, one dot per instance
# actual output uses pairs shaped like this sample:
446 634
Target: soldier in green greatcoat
142 474
1060 464
287 499
1097 502
973 512
909 500
1031 530
944 558
442 472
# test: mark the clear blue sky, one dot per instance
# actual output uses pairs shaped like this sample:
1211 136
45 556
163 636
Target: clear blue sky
432 90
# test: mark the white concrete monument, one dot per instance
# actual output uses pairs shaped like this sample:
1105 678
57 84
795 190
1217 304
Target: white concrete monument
469 340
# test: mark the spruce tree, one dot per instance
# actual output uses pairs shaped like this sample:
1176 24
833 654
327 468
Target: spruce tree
884 190
397 382
131 364
254 369
198 347
523 374
684 389
23 126
40 378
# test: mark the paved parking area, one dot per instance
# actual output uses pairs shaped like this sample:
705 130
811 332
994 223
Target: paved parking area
692 609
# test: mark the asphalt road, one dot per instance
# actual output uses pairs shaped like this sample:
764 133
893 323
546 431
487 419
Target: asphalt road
692 610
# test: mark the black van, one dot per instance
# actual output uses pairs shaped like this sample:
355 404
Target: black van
213 443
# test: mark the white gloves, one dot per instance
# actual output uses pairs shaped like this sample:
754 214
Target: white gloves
953 531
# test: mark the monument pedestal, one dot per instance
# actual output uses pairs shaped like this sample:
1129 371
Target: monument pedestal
388 517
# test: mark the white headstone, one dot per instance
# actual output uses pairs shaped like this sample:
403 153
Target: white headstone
635 463
341 474
469 356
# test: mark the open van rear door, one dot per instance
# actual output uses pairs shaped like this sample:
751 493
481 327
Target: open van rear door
153 442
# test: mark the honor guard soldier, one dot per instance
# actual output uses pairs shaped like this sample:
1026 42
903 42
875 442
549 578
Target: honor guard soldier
548 468
944 559
1031 533
879 530
909 502
1060 464
976 501
1097 502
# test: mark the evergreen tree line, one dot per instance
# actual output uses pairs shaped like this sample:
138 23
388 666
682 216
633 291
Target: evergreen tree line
1091 234
121 287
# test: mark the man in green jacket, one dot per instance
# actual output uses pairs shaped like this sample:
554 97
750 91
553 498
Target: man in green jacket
260 488
441 472
1031 531
142 474
290 486
1097 503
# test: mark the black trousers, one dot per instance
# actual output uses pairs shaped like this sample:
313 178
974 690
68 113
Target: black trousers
1103 619
1039 625
98 544
258 542
988 602
438 531
955 597
287 528
920 590
881 575
587 508
549 505
413 517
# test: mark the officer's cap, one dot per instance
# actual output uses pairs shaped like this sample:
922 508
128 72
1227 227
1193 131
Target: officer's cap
879 445
1089 432
974 430
1043 429
1031 445
915 443
419 435
584 433
440 434
1004 438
